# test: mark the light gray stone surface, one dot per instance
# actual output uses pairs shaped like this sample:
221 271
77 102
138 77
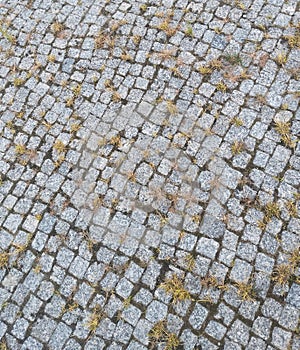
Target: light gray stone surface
149 174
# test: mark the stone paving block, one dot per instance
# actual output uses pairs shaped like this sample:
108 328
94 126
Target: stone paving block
262 327
256 343
123 332
264 263
124 288
106 329
94 343
83 294
64 257
198 316
46 290
293 295
241 271
59 336
207 247
3 329
78 267
131 314
151 274
281 338
142 330
143 296
20 328
271 308
225 314
43 329
215 330
156 311
239 332
289 317
31 343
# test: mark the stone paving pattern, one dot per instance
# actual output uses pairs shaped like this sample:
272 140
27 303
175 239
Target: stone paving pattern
150 172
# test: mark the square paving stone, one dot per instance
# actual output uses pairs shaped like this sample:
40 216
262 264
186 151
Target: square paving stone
156 311
207 247
281 338
241 271
78 267
198 316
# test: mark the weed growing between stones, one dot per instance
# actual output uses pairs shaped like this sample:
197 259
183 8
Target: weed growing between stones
294 39
167 28
7 35
237 147
233 58
210 281
245 291
271 209
292 209
57 27
175 286
221 87
160 334
284 130
59 146
97 315
171 106
4 257
283 274
3 345
281 58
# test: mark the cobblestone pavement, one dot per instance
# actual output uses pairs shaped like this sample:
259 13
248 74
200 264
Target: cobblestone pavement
150 172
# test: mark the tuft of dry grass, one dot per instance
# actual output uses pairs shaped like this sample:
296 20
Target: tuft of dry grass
175 286
97 315
59 146
294 258
18 82
116 141
189 260
237 121
20 149
245 291
210 281
285 273
57 27
261 99
4 259
272 209
284 130
281 58
292 209
166 54
167 28
294 39
238 147
215 64
126 57
160 334
282 274
221 87
3 345
104 40
172 108
204 70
